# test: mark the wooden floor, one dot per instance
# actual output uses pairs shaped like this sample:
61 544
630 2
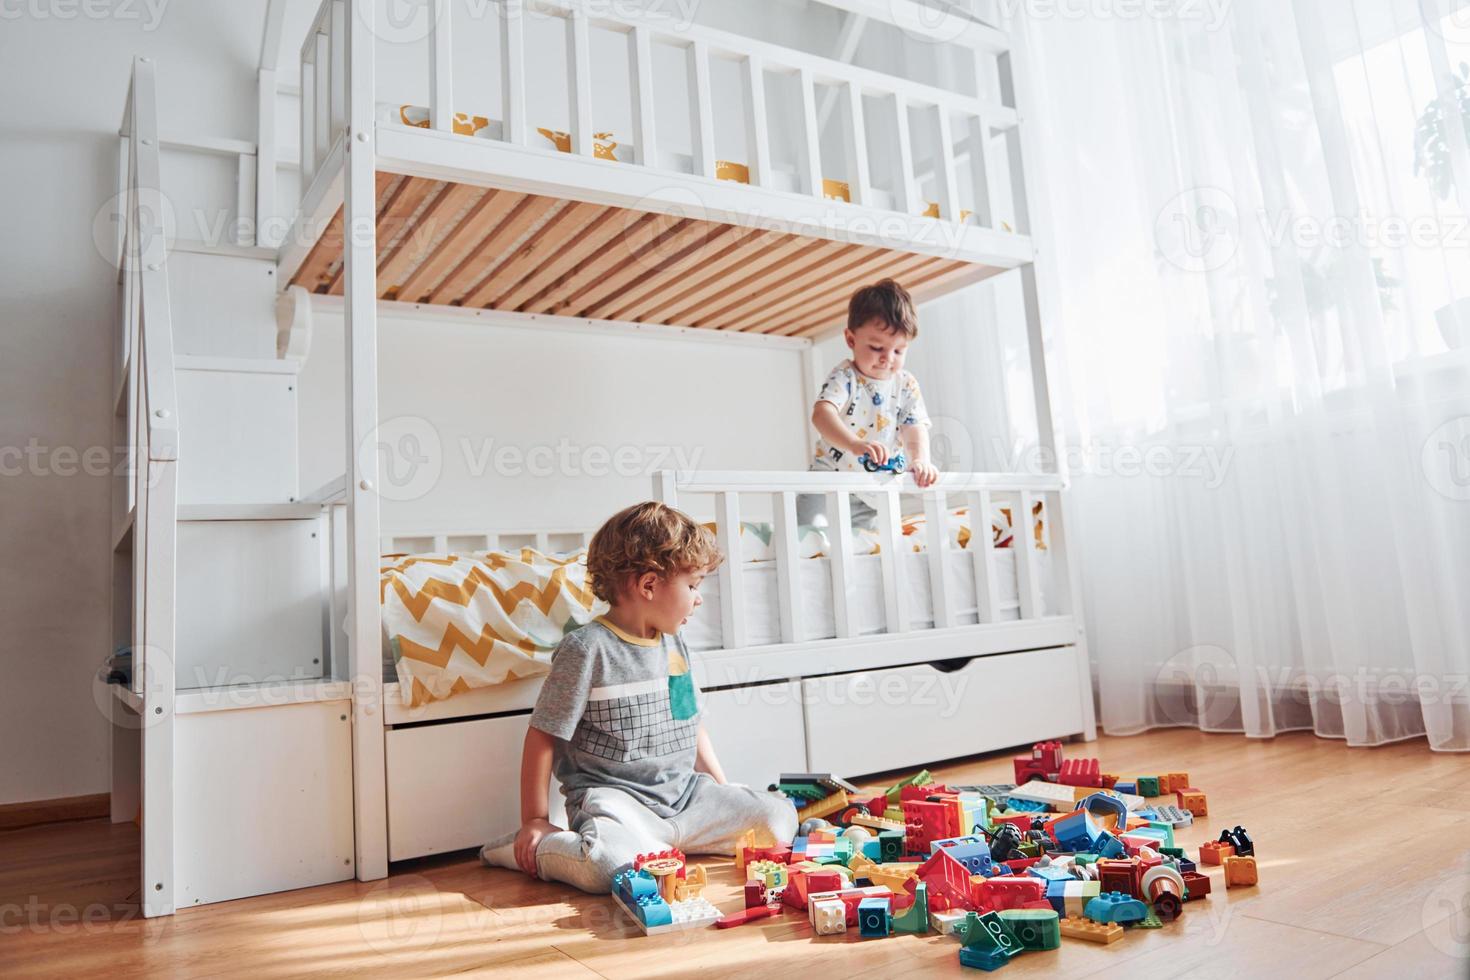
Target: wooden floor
1364 857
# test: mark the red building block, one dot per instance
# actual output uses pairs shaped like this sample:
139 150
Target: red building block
947 881
1001 892
755 894
1120 876
1044 762
1197 884
926 821
1080 772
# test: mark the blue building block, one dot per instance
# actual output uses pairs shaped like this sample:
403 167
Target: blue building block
1117 907
1129 788
1108 846
874 918
1049 873
1102 804
632 886
654 911
983 959
972 852
1076 831
873 850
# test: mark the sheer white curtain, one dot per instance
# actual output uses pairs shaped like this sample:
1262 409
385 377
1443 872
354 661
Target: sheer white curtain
1262 369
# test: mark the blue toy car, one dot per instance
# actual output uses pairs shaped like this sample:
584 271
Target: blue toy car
896 464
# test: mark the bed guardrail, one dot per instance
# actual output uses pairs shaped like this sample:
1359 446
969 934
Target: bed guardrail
980 492
962 163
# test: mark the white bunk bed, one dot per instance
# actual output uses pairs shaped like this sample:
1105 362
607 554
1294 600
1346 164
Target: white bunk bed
448 224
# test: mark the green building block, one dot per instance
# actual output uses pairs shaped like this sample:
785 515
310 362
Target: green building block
988 931
1151 921
1035 928
890 846
920 778
915 918
1166 828
1148 785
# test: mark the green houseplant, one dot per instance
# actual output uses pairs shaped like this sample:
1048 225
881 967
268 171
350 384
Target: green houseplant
1432 136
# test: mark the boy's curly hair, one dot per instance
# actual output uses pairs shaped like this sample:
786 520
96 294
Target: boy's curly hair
647 537
887 302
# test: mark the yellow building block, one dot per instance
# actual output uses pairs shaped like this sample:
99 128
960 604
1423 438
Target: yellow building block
1093 932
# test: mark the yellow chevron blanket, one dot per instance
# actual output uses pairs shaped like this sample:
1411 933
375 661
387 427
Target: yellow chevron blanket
458 622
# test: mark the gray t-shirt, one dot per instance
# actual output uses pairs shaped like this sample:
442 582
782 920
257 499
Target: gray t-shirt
625 713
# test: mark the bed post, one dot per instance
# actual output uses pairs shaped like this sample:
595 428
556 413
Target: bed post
360 329
1037 285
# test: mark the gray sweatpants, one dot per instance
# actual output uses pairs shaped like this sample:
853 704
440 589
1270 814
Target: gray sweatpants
609 828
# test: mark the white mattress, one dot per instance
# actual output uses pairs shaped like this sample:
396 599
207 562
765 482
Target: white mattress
762 611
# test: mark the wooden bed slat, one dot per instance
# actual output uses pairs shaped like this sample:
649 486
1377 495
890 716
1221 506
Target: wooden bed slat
416 244
859 269
681 251
461 287
800 308
462 245
545 242
446 243
646 298
769 263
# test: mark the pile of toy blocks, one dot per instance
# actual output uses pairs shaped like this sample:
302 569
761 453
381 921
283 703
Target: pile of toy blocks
1067 851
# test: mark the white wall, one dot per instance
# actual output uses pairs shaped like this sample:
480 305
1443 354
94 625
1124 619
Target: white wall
533 427
65 81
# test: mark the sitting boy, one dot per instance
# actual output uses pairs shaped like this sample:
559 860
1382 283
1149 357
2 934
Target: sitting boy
869 406
619 718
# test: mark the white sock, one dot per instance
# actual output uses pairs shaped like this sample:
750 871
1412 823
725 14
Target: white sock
500 853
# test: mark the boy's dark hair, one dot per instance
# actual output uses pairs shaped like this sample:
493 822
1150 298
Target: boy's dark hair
647 537
886 301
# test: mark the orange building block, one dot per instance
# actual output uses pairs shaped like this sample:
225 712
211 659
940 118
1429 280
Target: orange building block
1240 871
1192 800
1094 932
1215 852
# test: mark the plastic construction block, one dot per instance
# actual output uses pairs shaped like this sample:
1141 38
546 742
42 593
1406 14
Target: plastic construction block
1080 772
1151 921
1108 846
1093 932
920 778
1148 786
1035 928
828 916
874 917
1070 898
1194 801
1240 871
1008 892
1196 885
948 881
1125 787
1174 816
988 931
1110 812
1177 780
915 918
653 915
983 959
1116 907
1215 852
1044 762
1074 831
1241 841
947 922
890 845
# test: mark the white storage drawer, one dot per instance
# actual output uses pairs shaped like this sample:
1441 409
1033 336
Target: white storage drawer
880 720
456 785
757 732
